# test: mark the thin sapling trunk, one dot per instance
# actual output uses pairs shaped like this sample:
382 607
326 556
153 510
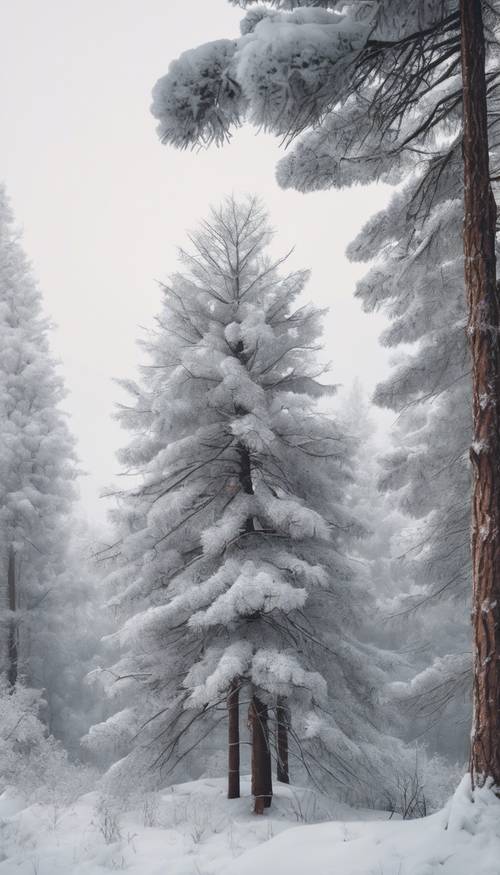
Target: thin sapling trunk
282 720
233 782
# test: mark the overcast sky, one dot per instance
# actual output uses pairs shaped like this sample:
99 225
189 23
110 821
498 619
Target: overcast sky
104 205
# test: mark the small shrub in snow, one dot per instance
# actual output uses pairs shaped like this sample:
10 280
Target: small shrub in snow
107 819
32 760
150 809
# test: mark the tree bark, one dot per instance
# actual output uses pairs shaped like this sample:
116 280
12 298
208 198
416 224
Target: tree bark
282 720
233 777
262 779
12 640
483 332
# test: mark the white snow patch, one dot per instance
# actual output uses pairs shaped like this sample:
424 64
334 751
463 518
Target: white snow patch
192 829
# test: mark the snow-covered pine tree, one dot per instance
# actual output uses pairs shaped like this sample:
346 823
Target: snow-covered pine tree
37 472
231 562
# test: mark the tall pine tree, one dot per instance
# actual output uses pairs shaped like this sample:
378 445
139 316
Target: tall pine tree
232 562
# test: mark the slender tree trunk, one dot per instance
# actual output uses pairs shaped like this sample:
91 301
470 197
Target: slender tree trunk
12 597
483 331
233 778
262 779
282 720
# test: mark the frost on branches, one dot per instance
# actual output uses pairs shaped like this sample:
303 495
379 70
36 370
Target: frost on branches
346 75
284 68
231 571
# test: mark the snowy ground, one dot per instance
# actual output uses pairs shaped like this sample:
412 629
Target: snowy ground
192 829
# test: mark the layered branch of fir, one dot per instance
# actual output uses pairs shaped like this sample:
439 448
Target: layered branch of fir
361 91
232 565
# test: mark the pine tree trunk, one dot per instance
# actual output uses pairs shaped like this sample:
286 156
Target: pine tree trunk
262 779
483 331
233 778
282 720
12 641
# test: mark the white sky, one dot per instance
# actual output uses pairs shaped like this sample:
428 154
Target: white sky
104 205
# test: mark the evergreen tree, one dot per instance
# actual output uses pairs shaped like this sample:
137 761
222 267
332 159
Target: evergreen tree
232 561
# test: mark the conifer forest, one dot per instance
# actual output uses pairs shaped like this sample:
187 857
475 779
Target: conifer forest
250 437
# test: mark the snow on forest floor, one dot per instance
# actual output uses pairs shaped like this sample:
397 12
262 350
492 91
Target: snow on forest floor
191 829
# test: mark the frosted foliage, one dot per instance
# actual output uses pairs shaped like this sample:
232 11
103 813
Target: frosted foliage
255 590
209 680
291 65
284 69
277 671
198 98
233 552
368 86
319 161
395 15
449 674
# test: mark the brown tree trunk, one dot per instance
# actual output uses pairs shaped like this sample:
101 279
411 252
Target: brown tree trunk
483 331
233 776
282 720
262 779
12 640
